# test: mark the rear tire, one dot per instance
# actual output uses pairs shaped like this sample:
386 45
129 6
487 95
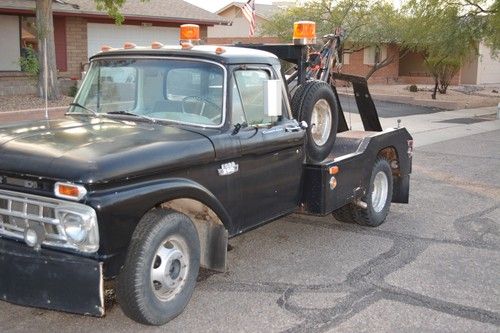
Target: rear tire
378 198
315 103
162 263
344 214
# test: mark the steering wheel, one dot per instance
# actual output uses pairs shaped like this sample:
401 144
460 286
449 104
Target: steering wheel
207 107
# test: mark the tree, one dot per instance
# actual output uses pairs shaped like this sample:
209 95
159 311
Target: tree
46 46
446 34
46 50
367 24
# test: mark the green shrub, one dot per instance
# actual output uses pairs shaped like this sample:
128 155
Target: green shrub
72 91
413 88
29 62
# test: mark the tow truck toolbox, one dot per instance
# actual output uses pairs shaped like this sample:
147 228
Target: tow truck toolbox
166 153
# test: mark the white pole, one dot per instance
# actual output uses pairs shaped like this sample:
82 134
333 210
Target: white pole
46 83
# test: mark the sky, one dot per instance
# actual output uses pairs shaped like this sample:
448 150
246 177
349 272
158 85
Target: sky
214 5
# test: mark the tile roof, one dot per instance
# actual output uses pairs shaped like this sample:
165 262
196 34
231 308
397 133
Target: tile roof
155 10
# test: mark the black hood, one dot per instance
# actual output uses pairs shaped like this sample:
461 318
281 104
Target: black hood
85 149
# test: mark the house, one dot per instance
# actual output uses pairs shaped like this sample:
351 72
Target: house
237 31
410 68
80 30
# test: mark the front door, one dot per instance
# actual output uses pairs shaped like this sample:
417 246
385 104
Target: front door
270 166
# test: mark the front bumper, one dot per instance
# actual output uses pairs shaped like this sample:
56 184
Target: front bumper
50 279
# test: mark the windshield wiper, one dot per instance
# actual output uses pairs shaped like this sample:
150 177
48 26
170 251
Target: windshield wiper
94 113
125 113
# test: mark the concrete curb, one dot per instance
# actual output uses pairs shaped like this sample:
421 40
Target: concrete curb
444 105
31 114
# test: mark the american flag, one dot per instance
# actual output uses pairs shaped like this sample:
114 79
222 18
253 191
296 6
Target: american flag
249 13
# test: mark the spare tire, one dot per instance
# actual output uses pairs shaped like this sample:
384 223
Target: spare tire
315 103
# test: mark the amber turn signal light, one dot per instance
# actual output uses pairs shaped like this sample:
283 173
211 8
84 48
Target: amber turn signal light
189 32
304 32
69 191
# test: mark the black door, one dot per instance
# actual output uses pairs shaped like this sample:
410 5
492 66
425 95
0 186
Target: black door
270 166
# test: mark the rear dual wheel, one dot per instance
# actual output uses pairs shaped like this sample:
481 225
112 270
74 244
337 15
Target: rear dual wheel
315 103
378 199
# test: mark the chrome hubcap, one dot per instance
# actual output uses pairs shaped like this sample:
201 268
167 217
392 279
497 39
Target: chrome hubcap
169 268
321 122
380 191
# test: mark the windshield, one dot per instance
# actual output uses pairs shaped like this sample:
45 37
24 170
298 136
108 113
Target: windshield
184 91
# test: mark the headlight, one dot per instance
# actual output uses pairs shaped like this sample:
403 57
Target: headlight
79 225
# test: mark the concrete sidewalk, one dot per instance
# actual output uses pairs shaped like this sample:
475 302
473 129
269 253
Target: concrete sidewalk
426 128
441 126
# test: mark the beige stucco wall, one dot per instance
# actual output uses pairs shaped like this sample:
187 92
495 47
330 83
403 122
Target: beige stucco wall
488 69
239 28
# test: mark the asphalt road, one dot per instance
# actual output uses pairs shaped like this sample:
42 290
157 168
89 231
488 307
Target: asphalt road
386 109
433 266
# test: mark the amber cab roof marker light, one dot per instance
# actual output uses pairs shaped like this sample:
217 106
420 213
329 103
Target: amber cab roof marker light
106 48
129 45
304 33
186 45
156 45
220 50
189 33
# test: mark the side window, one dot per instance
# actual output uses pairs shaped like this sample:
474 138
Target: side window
248 96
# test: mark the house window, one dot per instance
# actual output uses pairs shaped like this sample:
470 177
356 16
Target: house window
374 54
346 58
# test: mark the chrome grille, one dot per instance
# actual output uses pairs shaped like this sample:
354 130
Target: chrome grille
18 211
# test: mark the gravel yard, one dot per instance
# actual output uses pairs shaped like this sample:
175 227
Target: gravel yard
463 97
26 102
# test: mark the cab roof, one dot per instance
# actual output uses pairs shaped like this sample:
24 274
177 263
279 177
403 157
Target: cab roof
231 54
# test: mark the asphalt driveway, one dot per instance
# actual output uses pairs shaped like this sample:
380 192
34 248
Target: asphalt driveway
433 266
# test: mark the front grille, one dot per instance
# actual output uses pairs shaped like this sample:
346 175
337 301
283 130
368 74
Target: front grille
18 211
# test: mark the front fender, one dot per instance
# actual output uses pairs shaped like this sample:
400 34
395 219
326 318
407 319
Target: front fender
120 209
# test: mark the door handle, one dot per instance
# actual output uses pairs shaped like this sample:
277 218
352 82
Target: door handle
293 128
296 128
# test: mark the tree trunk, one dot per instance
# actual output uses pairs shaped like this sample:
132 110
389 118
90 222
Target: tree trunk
435 88
45 36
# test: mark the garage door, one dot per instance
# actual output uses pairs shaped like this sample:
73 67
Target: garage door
9 43
99 34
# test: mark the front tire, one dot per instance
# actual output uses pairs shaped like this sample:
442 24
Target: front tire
161 266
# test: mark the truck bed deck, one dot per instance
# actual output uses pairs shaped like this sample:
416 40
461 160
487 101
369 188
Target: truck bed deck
353 153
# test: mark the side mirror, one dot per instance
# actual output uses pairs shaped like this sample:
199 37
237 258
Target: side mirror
273 102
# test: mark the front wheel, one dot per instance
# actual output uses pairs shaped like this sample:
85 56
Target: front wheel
162 263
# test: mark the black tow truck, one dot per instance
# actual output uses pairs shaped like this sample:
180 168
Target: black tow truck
165 154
